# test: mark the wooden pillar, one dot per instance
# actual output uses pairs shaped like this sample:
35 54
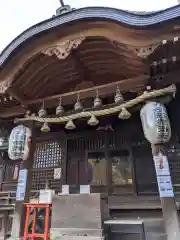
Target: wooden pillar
169 209
19 214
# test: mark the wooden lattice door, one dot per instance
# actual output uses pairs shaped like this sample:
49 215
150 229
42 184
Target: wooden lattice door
48 164
76 170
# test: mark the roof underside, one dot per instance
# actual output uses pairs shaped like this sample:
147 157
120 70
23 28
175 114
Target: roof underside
97 60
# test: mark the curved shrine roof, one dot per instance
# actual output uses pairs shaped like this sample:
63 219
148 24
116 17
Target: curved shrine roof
133 19
115 46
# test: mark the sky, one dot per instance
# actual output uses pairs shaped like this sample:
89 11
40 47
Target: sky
18 15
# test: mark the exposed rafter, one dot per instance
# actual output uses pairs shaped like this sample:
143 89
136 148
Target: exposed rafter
104 90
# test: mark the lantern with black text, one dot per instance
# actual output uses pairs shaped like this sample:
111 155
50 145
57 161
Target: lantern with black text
155 123
19 143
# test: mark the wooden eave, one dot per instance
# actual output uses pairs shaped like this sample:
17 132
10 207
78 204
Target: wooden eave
111 52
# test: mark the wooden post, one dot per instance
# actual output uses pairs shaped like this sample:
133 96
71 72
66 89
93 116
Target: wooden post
19 214
169 209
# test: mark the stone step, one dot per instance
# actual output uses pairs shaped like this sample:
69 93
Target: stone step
154 225
79 238
77 232
156 236
6 207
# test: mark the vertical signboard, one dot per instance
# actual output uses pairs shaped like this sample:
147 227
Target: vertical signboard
163 176
21 187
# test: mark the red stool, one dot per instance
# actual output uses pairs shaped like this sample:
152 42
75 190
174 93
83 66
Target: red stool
33 234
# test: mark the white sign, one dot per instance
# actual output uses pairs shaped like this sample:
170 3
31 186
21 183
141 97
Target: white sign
45 196
165 186
57 173
65 189
161 165
21 187
85 189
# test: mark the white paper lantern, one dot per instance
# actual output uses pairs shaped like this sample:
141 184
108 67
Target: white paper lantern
155 123
19 143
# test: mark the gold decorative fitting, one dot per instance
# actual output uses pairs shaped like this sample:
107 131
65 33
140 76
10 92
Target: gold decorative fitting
62 50
124 114
93 121
70 125
45 127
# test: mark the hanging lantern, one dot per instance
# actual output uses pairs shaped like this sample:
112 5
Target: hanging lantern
155 123
60 109
70 125
93 121
97 100
42 112
45 127
118 97
19 143
78 105
124 114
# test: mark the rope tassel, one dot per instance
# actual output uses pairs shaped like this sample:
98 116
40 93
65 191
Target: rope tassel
70 125
93 121
124 114
45 127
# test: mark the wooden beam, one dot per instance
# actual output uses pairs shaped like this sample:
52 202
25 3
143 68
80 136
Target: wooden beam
106 89
166 78
12 112
16 95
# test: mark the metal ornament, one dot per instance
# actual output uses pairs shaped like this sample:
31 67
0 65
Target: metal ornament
118 97
93 121
78 105
124 114
70 125
45 127
42 112
97 100
155 123
60 109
